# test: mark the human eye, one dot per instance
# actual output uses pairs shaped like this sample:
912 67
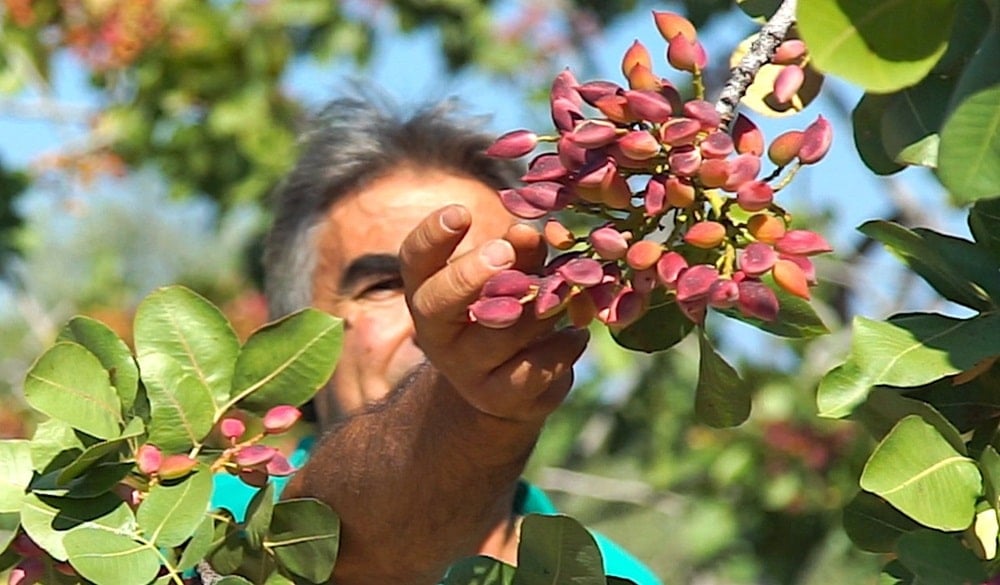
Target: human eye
383 287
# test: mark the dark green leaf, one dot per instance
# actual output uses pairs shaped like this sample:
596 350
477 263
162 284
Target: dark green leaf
916 470
915 116
228 544
557 549
233 580
975 56
107 558
287 361
939 559
259 513
9 522
178 323
182 407
873 525
171 513
984 223
885 407
98 480
47 519
881 46
661 327
796 316
304 538
15 474
98 451
54 438
967 405
866 120
113 353
759 8
722 398
958 269
989 466
70 384
969 159
479 571
197 548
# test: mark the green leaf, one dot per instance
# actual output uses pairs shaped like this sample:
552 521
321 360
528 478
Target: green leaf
304 538
842 389
984 223
880 45
975 58
259 513
9 523
113 353
172 512
53 439
182 406
967 405
98 480
287 361
198 547
923 152
916 470
15 474
68 383
989 466
957 268
910 123
661 327
479 571
866 120
557 549
939 559
233 580
177 323
722 398
106 558
969 159
759 8
873 525
48 519
796 316
228 544
885 407
98 451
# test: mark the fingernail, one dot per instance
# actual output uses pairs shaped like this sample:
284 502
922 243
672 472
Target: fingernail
499 253
452 219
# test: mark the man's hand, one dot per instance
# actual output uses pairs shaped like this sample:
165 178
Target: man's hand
520 373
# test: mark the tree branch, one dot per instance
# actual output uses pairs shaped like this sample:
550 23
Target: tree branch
761 50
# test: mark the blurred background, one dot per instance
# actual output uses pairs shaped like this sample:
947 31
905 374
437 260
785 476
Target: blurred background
139 140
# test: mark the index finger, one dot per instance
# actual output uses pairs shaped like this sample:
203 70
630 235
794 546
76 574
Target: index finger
427 248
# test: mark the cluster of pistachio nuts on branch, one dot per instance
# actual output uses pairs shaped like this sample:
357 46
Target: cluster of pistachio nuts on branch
680 200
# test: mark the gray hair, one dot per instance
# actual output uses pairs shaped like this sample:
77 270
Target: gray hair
352 142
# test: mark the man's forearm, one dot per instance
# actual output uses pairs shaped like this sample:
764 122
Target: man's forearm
418 481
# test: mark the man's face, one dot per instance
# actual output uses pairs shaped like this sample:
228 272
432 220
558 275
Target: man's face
357 275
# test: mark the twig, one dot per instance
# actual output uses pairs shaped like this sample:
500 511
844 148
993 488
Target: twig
761 50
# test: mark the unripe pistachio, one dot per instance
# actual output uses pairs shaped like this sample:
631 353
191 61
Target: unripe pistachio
816 140
671 24
669 267
513 144
757 258
757 300
642 77
636 55
790 277
639 145
176 466
802 243
747 137
785 147
695 282
254 455
705 234
495 312
148 458
788 83
643 254
608 242
766 228
232 428
789 52
686 55
680 192
557 235
804 264
281 418
754 196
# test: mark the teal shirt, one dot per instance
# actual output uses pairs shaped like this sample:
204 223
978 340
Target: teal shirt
232 494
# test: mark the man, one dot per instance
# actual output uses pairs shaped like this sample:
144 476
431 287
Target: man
394 225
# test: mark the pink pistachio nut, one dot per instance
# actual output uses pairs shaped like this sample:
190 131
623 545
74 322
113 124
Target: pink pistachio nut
695 310
513 144
747 137
545 167
680 191
615 107
789 52
680 131
705 113
508 283
669 267
644 281
25 547
655 196
742 169
790 277
547 195
643 254
713 173
232 428
253 476
583 272
565 114
564 86
785 147
695 282
757 258
651 106
495 312
595 90
176 466
670 24
254 455
816 140
686 55
684 160
609 243
281 418
754 196
636 54
279 466
716 144
757 300
805 264
626 308
553 293
571 155
723 294
148 458
788 83
517 205
705 234
27 572
802 243
594 133
639 145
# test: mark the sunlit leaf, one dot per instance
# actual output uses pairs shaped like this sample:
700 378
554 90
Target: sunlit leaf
842 389
198 546
53 438
969 158
259 514
304 537
181 405
916 470
171 512
285 362
880 45
48 519
989 466
722 398
98 451
15 474
177 323
557 549
939 559
70 384
113 353
107 558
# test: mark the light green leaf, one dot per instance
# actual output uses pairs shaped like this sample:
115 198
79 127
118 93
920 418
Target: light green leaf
106 558
198 546
885 407
916 470
178 323
304 537
15 474
969 158
984 223
48 519
70 384
923 152
98 451
957 268
172 512
54 439
287 361
181 405
479 571
881 45
722 398
661 327
113 353
939 559
873 525
557 549
842 389
9 523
